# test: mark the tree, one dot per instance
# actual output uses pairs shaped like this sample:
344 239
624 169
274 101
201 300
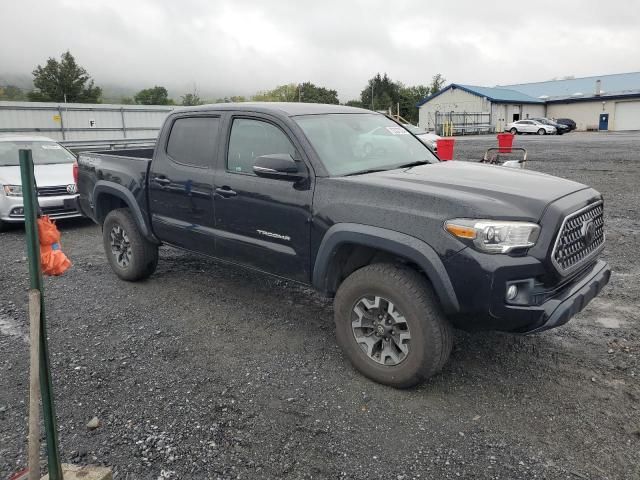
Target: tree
153 96
282 93
409 97
381 93
127 101
310 93
11 92
63 81
232 99
437 82
354 103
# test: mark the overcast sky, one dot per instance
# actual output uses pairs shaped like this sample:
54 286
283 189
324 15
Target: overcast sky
240 46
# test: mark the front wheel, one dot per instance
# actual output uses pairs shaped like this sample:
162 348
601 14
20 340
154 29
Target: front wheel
542 131
390 325
131 256
513 131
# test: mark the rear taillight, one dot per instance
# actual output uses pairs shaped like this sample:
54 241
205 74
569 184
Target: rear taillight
75 172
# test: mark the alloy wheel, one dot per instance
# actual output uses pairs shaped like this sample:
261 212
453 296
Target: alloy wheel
380 330
120 246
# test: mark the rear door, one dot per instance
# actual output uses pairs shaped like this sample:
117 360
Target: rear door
262 223
181 183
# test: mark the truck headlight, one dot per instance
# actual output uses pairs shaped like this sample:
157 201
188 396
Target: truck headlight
493 236
12 190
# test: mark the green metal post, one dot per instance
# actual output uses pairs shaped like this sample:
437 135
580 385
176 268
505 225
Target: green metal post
29 196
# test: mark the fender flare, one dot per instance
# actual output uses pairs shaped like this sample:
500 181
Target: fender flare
103 187
401 244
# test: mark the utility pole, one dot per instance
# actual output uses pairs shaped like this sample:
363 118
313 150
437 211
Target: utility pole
372 96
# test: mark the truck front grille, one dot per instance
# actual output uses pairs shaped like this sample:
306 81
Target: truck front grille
580 239
53 191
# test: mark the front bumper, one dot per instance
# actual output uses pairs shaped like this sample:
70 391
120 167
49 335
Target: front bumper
480 282
56 207
570 301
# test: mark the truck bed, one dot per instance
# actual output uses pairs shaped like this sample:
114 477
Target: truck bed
127 168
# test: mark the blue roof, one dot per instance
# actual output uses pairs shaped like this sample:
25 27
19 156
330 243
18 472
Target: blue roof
617 83
494 94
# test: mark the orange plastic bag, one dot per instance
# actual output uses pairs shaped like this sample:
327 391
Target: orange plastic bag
52 260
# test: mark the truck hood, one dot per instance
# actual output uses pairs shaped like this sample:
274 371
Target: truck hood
46 175
491 191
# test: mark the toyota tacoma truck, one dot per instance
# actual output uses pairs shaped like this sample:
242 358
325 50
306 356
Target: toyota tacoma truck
350 202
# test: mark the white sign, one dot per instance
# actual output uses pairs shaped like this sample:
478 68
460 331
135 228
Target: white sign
92 123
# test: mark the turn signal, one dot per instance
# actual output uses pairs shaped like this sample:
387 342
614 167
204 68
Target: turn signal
460 231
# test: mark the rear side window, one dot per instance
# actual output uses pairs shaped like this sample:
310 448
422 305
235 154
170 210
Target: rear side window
251 139
193 141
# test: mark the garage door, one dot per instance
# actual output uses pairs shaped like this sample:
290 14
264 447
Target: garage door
627 116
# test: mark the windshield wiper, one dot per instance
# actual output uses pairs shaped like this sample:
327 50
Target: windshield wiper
362 172
414 164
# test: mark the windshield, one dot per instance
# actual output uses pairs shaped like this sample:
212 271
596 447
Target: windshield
415 130
358 142
44 153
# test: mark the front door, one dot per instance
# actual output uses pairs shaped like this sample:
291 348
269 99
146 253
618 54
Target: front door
262 223
603 124
181 183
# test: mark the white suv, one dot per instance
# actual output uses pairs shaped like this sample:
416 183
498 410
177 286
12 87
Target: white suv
53 168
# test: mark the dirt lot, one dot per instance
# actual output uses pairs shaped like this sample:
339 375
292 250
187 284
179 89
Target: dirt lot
205 371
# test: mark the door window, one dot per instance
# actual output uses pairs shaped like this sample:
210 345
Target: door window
193 141
251 139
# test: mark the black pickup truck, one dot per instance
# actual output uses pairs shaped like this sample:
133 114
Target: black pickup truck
350 202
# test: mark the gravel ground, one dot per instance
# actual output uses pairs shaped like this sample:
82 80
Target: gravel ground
206 371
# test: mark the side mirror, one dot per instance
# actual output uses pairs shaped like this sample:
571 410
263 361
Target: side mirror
278 166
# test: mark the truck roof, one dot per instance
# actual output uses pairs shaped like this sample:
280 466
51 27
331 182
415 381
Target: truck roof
289 109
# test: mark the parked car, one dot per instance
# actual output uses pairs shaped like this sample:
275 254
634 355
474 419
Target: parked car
407 245
568 122
560 128
529 126
428 138
53 169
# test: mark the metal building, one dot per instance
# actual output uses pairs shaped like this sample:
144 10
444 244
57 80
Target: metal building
81 121
476 109
605 102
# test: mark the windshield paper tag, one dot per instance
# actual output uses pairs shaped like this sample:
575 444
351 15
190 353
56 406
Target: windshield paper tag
397 131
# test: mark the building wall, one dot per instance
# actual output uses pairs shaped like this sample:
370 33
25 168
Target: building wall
586 114
503 113
453 100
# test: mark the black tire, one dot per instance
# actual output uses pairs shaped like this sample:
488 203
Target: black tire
2 226
542 131
513 131
431 334
142 256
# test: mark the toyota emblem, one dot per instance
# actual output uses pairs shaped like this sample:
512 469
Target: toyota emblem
72 188
588 232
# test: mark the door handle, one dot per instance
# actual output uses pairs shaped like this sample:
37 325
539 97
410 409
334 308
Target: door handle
225 192
162 180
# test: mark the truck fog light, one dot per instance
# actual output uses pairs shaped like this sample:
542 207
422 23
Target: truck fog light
512 292
17 211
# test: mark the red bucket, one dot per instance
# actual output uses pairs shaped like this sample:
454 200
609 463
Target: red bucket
445 148
505 142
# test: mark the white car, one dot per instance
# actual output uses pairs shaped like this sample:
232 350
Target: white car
530 126
428 138
53 169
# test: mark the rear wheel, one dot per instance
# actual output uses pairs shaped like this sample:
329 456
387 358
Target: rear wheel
514 131
542 131
131 256
390 326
